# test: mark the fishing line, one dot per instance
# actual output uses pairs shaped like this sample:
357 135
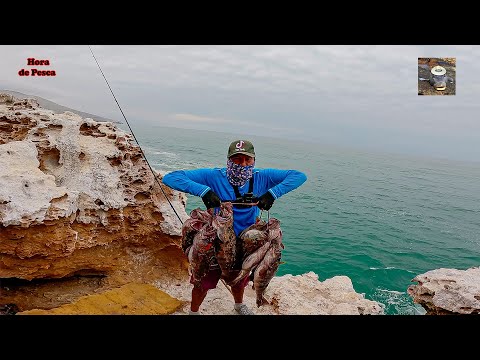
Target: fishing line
154 175
143 154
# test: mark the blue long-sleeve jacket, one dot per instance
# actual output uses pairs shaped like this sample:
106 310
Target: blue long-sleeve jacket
198 182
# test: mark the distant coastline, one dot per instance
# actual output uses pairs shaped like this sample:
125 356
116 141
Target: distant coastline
50 105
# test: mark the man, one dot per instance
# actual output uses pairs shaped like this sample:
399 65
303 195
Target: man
239 182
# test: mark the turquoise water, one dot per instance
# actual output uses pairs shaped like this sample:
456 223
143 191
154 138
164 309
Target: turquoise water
379 219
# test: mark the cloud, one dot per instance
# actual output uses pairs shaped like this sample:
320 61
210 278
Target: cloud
294 91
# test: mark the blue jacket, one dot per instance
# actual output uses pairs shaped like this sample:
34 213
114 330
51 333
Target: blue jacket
198 182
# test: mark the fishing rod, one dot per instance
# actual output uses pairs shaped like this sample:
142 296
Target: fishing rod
154 175
143 154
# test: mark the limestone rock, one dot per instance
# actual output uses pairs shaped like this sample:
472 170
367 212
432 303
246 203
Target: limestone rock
77 199
288 295
448 291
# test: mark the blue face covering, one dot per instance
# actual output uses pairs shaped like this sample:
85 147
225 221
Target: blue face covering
238 175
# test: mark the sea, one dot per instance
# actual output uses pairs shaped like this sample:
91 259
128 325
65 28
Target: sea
378 218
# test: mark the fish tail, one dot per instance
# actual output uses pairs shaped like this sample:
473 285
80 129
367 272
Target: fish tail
262 301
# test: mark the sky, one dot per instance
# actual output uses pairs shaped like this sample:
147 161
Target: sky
356 96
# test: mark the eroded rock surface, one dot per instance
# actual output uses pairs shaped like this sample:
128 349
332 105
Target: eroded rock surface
79 203
448 291
288 295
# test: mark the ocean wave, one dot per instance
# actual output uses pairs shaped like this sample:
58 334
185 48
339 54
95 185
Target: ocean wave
397 302
391 268
153 152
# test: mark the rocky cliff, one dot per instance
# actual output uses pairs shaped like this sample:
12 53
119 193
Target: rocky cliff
78 203
83 221
448 291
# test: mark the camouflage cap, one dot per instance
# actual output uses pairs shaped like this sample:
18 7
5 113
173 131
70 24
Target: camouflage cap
241 147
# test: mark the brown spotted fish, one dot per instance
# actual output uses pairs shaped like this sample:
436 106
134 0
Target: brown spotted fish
257 243
250 262
198 218
202 253
274 231
268 266
227 240
253 237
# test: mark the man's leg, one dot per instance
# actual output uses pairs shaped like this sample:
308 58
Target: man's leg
199 291
237 292
198 295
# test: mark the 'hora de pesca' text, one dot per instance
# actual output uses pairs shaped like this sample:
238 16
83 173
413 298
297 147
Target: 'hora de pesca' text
37 72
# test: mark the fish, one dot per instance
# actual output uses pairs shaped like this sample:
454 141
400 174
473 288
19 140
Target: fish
275 232
262 235
253 237
202 253
198 218
250 262
264 272
268 266
226 249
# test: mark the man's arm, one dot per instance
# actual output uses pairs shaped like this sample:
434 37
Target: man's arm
189 181
280 182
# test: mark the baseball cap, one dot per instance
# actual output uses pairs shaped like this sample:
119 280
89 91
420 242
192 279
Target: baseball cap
241 147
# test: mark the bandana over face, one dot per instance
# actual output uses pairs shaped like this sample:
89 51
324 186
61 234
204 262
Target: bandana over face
238 175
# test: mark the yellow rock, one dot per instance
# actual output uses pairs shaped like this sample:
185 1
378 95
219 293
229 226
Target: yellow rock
130 299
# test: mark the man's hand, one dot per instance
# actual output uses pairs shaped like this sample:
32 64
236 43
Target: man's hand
211 200
265 201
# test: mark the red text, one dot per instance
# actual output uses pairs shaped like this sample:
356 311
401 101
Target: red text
43 72
32 61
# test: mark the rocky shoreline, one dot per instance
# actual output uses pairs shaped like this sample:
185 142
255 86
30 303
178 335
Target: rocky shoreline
86 229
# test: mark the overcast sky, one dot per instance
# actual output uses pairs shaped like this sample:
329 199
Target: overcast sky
356 96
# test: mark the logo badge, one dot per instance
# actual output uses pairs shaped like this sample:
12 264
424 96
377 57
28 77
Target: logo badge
239 144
